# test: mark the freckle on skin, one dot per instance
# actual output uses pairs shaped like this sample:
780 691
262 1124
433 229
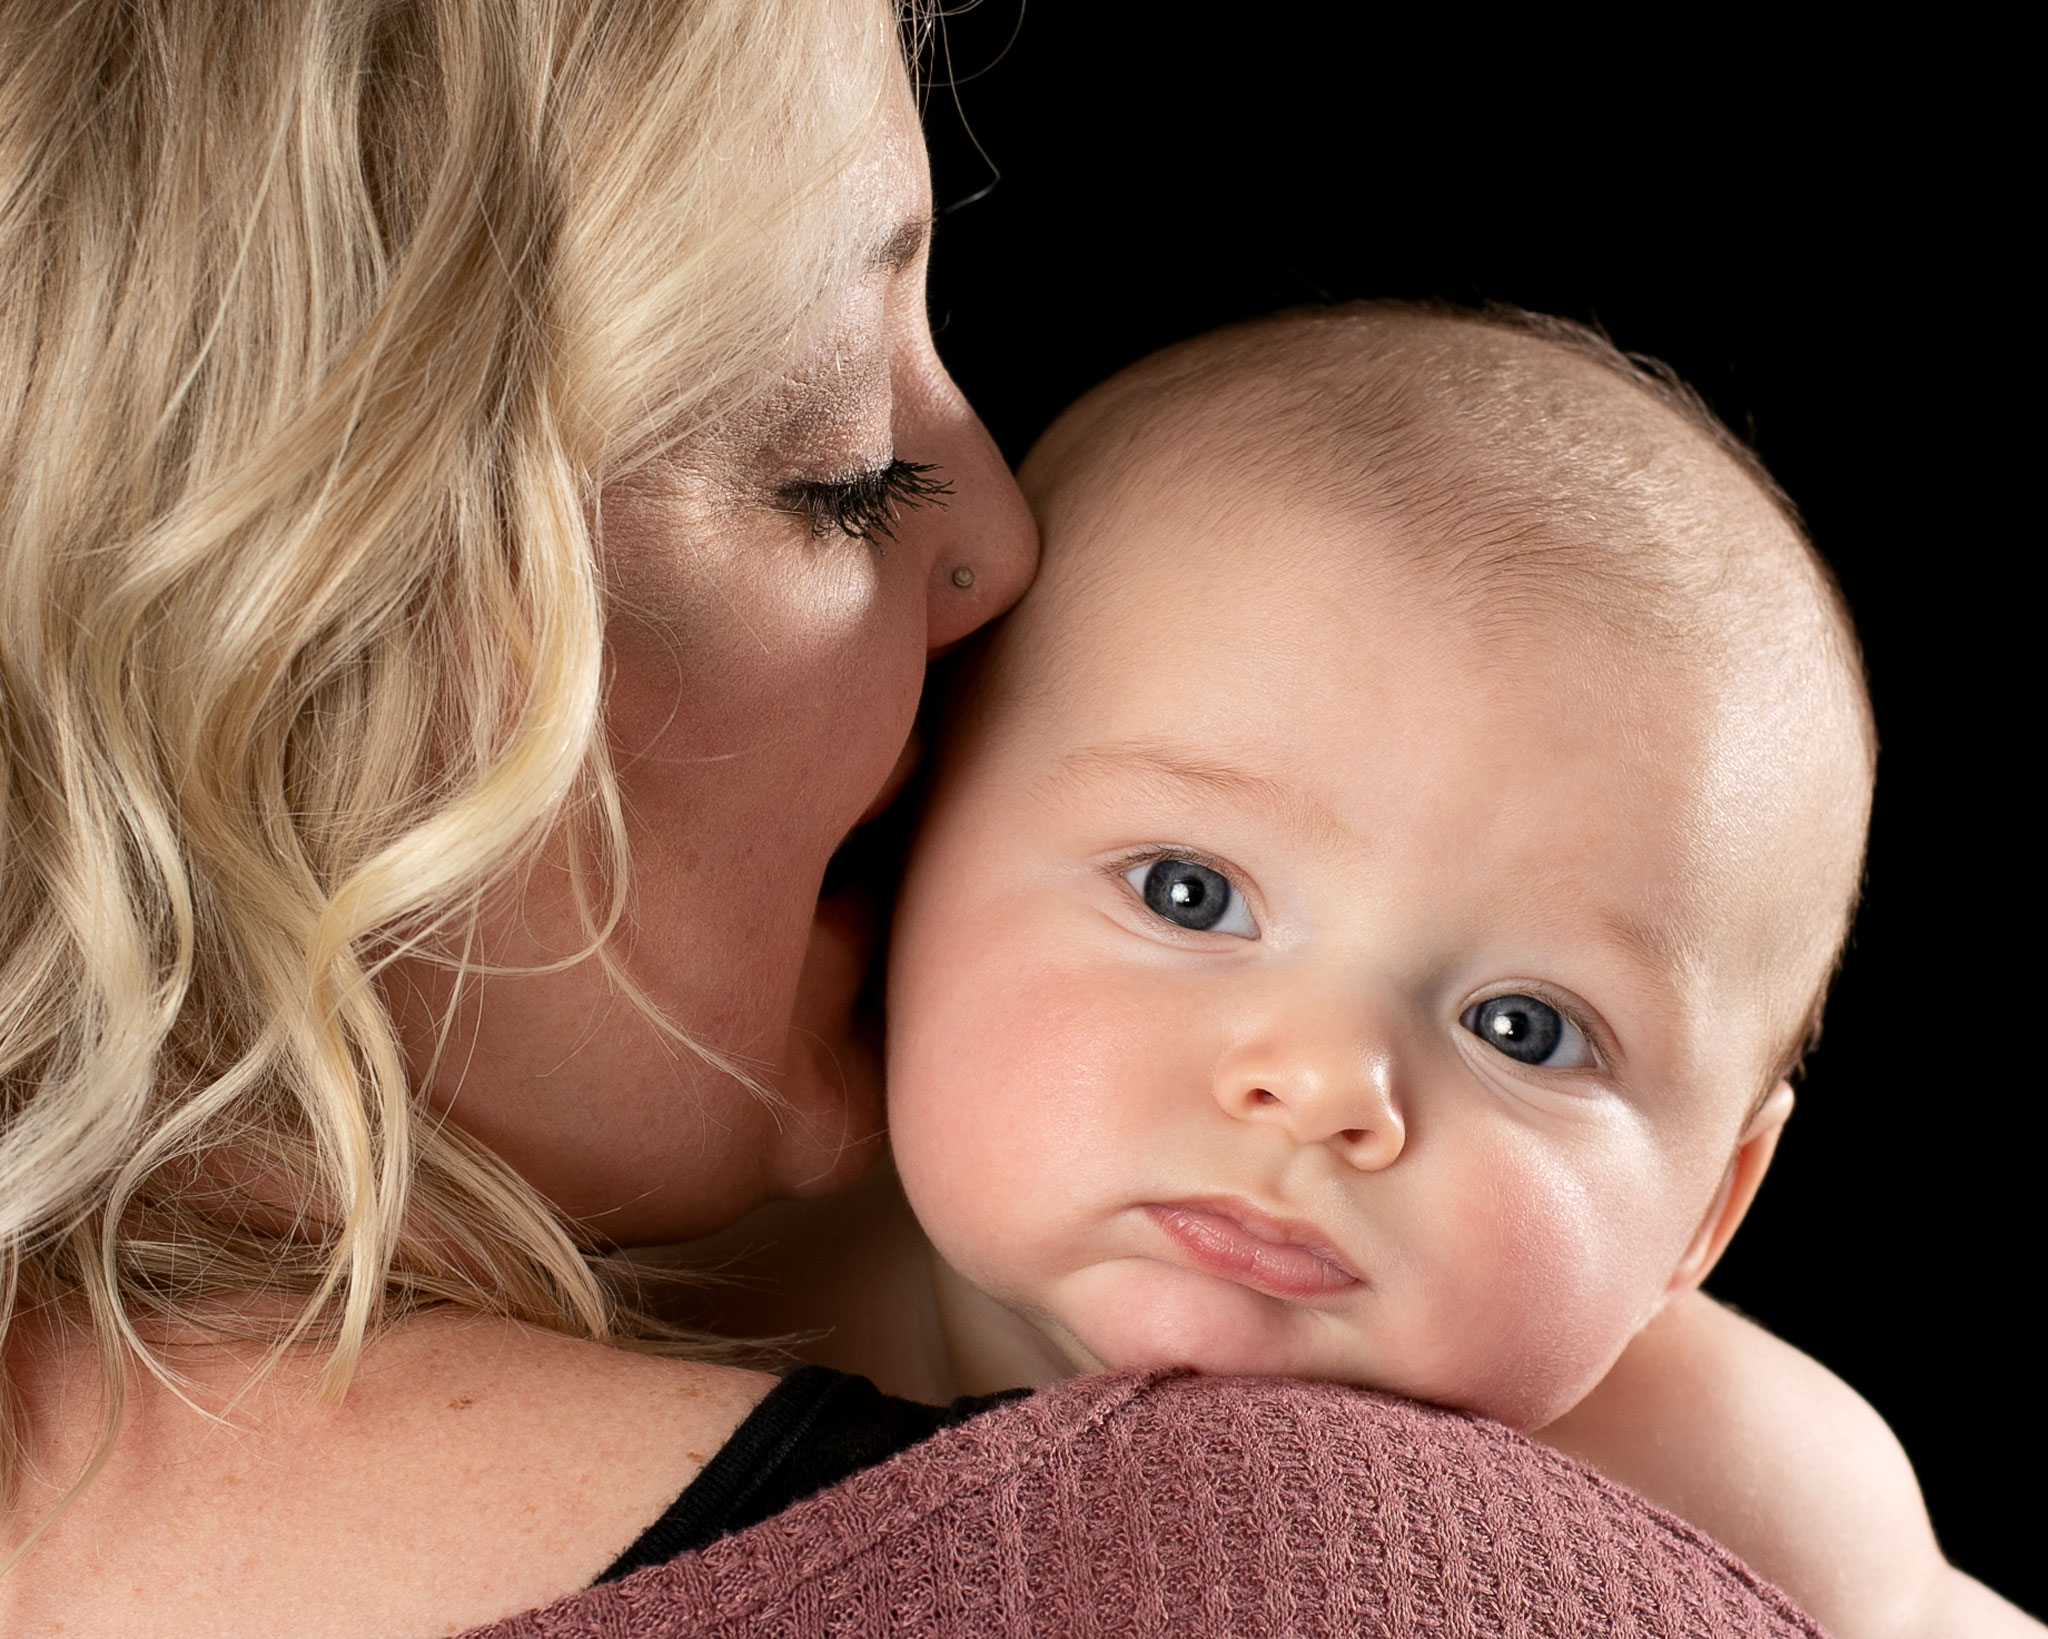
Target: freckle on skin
461 1402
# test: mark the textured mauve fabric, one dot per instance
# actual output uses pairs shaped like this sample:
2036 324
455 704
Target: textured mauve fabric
1191 1506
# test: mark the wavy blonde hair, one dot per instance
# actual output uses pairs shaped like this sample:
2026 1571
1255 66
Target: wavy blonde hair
321 324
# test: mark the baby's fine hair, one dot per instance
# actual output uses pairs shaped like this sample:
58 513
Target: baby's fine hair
1524 461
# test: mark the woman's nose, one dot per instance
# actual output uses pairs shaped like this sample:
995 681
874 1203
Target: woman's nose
982 545
1323 1082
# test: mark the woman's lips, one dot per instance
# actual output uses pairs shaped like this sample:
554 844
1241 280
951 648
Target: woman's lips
1240 1243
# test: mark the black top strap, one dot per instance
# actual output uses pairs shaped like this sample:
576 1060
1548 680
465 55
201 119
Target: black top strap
813 1429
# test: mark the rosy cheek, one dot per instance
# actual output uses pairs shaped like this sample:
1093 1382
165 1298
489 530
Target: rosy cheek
1553 1287
1009 1078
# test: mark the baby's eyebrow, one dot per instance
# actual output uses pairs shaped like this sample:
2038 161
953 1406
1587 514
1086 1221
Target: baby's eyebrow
1660 948
1156 763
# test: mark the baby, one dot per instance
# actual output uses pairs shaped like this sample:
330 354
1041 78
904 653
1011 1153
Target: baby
1374 893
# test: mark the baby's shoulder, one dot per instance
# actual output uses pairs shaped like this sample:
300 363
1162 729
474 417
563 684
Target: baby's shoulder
1770 1453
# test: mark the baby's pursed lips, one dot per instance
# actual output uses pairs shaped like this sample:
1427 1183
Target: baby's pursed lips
1278 1256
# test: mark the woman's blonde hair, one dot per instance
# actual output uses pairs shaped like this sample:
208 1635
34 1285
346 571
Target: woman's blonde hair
321 323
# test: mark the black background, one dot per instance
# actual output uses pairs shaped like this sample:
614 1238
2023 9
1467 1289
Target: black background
1816 236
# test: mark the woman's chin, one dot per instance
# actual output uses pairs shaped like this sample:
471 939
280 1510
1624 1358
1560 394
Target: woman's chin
835 1133
832 1124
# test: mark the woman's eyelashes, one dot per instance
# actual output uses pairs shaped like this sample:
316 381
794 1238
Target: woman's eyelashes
864 506
1191 895
1530 1031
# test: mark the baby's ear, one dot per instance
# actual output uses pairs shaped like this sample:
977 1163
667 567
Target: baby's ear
1730 1206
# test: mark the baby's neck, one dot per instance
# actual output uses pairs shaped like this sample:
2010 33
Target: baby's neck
855 1279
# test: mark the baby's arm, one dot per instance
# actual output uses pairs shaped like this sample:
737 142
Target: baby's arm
1773 1455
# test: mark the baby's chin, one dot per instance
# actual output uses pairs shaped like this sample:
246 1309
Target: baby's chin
1138 1315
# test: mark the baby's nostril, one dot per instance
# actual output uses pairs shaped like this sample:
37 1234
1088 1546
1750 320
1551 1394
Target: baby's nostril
1353 1135
1261 1096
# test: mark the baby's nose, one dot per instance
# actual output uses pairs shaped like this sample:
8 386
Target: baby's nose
1321 1091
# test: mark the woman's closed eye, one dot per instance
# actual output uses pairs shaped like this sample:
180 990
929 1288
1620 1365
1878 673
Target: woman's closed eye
1192 896
864 505
1530 1031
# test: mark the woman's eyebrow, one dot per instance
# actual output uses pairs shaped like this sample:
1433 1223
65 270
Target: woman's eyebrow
1163 767
904 244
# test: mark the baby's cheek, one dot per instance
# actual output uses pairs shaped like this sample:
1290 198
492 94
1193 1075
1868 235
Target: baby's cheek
1555 1281
998 1079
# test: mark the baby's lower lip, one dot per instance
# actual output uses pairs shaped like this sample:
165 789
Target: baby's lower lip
1268 1257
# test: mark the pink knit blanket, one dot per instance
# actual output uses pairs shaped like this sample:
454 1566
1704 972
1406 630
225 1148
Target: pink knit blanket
1188 1506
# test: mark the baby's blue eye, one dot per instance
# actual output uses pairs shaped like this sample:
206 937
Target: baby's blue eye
1192 896
1529 1031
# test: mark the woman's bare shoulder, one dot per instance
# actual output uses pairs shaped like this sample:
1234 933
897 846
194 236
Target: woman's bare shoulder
475 1469
1232 1499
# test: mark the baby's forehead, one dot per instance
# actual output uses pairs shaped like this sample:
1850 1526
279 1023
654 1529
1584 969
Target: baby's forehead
1536 508
1378 776
1530 483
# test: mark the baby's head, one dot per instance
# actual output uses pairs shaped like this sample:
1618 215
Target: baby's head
1386 869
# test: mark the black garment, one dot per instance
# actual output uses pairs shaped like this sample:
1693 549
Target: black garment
814 1428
